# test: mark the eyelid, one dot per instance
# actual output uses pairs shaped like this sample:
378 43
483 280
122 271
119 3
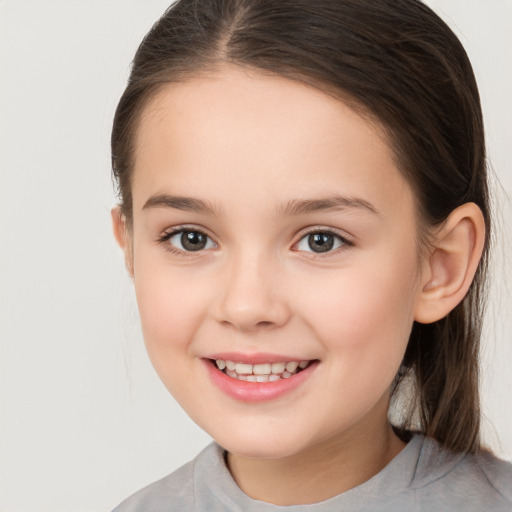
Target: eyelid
346 240
168 233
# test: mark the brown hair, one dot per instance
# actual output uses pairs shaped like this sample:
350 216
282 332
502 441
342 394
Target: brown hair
394 60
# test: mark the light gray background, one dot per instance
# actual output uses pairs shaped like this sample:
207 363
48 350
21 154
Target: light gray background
84 419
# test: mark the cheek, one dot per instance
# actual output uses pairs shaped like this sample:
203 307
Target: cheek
169 306
364 315
364 323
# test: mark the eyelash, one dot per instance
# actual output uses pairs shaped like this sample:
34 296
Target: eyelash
344 242
165 237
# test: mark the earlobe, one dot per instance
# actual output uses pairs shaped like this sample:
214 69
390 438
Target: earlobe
122 237
452 263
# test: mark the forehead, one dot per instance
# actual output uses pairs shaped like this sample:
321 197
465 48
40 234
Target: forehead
239 134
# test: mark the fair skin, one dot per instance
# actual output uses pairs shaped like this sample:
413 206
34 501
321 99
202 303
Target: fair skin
251 168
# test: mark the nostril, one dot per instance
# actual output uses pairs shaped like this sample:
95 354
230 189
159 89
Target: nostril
264 323
247 326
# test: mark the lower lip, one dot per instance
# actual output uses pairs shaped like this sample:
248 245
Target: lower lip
245 391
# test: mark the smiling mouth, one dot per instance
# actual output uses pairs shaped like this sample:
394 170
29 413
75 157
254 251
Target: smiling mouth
266 372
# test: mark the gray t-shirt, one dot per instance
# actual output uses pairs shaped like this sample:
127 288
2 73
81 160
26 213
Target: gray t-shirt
422 477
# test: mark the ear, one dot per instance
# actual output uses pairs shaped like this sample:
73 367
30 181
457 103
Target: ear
451 263
123 237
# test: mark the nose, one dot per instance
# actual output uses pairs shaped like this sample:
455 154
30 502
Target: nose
252 297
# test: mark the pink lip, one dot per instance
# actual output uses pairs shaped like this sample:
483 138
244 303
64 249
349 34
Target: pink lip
258 358
257 391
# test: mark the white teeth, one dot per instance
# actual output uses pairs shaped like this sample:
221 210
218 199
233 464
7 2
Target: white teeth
243 369
278 367
292 366
265 372
262 369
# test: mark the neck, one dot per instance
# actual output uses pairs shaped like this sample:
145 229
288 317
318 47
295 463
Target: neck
319 472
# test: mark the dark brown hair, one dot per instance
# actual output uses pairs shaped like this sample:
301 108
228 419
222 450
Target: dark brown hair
393 60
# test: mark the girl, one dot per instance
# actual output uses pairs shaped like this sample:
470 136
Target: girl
304 212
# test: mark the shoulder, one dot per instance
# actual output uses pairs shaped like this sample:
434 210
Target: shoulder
495 472
473 482
175 492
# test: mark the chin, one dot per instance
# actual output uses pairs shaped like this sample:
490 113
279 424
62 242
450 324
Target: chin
259 449
261 444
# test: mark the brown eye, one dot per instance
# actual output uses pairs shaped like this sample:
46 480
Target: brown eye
190 240
193 240
320 242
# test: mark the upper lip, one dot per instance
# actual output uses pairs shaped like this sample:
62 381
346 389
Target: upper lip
256 358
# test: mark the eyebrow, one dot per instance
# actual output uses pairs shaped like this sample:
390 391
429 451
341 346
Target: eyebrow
188 204
293 207
337 202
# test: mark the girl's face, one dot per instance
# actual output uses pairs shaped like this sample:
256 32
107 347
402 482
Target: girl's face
271 226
